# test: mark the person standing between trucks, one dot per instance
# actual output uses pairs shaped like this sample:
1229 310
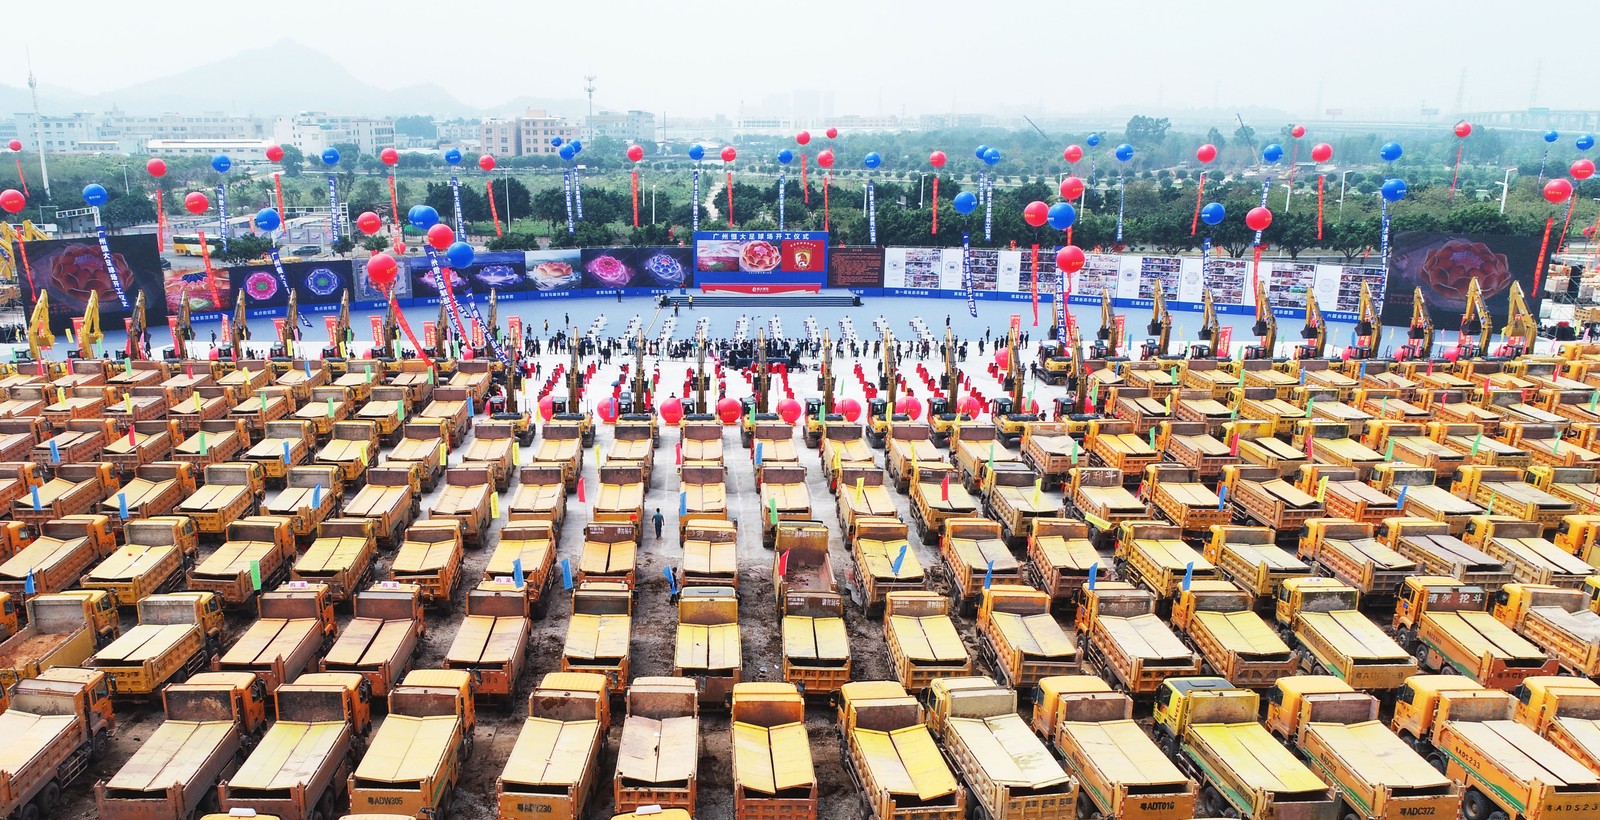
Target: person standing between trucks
661 521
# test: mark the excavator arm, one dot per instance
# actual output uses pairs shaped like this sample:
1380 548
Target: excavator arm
341 328
1476 320
699 373
136 330
1369 325
640 383
184 333
1266 327
1014 371
1160 325
888 370
90 335
291 324
952 378
1521 329
1210 327
391 327
39 335
441 333
1421 331
1315 332
240 331
827 374
1108 328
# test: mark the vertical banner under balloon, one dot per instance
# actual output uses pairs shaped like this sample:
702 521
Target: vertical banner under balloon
1199 193
494 210
1034 280
780 198
1321 179
694 194
455 194
730 199
1266 187
566 188
577 191
222 216
161 223
935 204
966 274
987 193
394 211
634 185
333 208
872 214
1122 201
1383 238
110 263
1062 288
277 189
377 332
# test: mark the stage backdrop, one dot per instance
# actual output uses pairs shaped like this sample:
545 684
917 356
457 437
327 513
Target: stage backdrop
761 261
1442 264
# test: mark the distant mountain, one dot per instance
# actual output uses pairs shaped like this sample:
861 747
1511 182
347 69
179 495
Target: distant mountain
53 99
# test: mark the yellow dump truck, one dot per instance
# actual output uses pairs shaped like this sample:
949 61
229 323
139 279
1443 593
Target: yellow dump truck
863 492
301 767
1251 559
1322 615
551 771
658 757
295 628
609 553
708 645
1013 496
1154 555
1449 632
1518 542
279 444
909 445
773 775
1557 620
561 445
1061 557
310 496
923 642
1504 765
1121 773
528 547
426 445
1126 642
492 446
256 556
378 642
892 757
974 557
56 726
1238 645
169 643
702 441
390 497
1009 770
884 562
937 495
1346 550
703 492
783 497
1020 639
430 557
540 496
231 490
1052 450
414 760
342 557
599 631
492 642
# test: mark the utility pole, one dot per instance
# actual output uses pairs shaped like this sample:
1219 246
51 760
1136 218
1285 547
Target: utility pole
38 128
588 87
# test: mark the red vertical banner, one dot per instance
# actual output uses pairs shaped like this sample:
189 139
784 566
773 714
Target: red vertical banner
1035 279
1121 321
1538 262
494 210
730 199
77 326
826 178
172 325
936 204
211 276
805 192
394 214
161 223
430 334
377 332
477 334
1224 349
277 326
332 323
277 189
1321 178
514 331
1199 193
1255 270
636 197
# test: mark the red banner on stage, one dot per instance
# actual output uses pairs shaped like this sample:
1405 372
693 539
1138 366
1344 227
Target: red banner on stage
377 332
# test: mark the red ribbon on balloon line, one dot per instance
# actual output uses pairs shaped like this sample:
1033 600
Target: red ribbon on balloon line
936 204
1255 270
1036 284
1538 261
494 210
21 177
1321 179
1199 193
22 250
827 179
394 213
1572 202
636 197
730 199
211 278
400 316
1455 174
161 223
805 191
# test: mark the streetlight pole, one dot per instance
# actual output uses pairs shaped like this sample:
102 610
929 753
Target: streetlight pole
922 190
125 188
652 203
1505 188
1342 175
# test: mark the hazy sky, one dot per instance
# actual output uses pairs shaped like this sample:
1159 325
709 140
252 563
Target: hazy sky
875 56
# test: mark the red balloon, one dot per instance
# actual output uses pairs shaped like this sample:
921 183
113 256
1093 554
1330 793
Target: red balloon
635 153
849 408
728 410
274 153
1463 129
671 411
1070 259
441 236
909 407
1258 219
381 269
547 408
971 406
196 203
803 137
1206 153
156 167
1002 358
1322 152
1557 190
1297 131
15 145
825 158
729 154
1036 213
1073 153
486 162
833 133
12 200
369 223
389 156
1582 169
790 410
607 410
936 159
1071 188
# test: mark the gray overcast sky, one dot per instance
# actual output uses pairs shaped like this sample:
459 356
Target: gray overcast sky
700 57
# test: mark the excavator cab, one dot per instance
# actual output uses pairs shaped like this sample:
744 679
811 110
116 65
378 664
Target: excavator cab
938 406
1000 406
624 403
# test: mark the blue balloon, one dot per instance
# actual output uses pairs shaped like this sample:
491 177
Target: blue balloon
1093 140
1213 213
697 152
567 152
95 194
460 254
982 149
576 146
1551 136
1272 153
422 217
330 156
1061 216
964 203
1585 142
453 156
1394 189
555 141
1390 151
991 156
786 156
1124 152
220 163
872 160
267 219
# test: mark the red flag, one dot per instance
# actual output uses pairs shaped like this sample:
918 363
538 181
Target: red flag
944 488
580 490
680 452
1309 439
783 564
1234 448
494 210
132 442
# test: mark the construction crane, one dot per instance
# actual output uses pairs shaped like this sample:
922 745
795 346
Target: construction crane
1475 322
1266 326
1210 331
1315 331
89 335
1421 331
240 331
1521 329
136 330
1160 327
1369 326
39 336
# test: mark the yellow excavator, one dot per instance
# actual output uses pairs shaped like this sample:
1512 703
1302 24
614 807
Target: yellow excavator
880 408
1010 415
290 326
753 408
819 408
1107 339
1521 329
1315 331
1160 327
1369 327
339 339
570 407
944 412
1210 332
1476 322
184 332
136 330
89 335
641 384
700 380
40 338
1072 403
1419 336
11 237
441 335
1266 327
240 331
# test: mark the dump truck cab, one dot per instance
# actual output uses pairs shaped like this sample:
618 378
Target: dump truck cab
1416 704
1539 697
1313 594
1287 697
1180 702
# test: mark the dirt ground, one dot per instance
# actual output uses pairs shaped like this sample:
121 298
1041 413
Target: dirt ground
654 625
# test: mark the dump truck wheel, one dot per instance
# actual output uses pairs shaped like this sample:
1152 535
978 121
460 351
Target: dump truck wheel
49 796
30 812
1475 805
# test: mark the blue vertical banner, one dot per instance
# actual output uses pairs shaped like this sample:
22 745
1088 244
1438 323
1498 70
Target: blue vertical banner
567 189
477 319
1205 257
577 191
987 192
1383 239
111 268
283 281
694 204
455 193
966 273
872 214
222 216
444 293
781 186
1122 201
333 207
